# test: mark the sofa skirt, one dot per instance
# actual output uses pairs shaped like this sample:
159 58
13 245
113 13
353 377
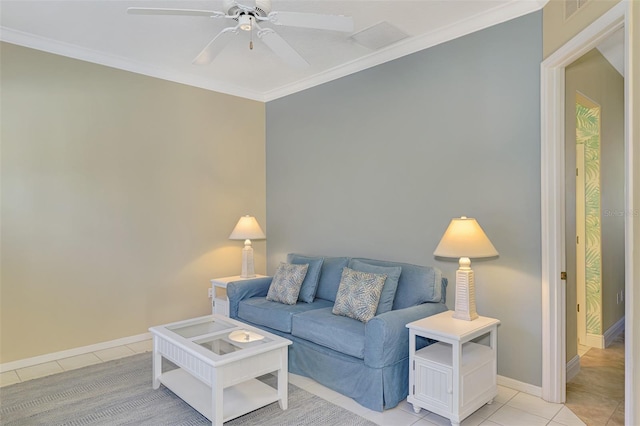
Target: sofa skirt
374 388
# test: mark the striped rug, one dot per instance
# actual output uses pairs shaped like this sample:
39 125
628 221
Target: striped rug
119 393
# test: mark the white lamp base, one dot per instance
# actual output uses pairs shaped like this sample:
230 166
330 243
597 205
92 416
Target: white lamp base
248 270
465 292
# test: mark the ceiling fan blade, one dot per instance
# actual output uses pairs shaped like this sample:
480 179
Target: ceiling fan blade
312 20
215 46
174 12
281 48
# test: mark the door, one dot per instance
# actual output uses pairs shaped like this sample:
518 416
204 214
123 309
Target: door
588 222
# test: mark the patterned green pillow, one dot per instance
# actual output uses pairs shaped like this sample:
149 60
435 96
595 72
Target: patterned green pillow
358 294
286 283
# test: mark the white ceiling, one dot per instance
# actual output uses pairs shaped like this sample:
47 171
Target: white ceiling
612 48
101 31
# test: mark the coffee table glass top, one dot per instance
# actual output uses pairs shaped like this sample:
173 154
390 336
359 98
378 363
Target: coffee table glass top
224 344
220 336
200 328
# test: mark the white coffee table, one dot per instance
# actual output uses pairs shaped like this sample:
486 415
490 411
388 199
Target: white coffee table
219 359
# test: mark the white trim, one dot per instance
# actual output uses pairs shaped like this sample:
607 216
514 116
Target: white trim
497 15
76 52
613 332
595 341
501 13
552 222
553 199
631 409
520 386
40 359
573 368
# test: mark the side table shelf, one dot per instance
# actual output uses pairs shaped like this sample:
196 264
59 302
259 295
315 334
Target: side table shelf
454 376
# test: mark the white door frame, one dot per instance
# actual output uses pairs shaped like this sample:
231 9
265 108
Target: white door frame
553 203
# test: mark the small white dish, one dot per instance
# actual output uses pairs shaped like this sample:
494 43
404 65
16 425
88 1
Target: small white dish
245 336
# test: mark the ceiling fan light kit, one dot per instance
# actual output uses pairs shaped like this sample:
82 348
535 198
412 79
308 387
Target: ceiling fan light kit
245 22
248 13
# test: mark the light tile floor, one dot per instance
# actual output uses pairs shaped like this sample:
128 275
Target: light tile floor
510 407
596 393
72 363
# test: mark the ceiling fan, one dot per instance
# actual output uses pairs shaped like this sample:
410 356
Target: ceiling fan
248 14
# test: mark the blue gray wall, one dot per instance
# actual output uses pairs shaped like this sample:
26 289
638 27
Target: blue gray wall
377 163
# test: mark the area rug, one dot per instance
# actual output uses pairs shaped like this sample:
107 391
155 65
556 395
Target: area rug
119 393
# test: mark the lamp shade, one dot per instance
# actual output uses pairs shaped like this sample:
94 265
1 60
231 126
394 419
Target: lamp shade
465 238
247 228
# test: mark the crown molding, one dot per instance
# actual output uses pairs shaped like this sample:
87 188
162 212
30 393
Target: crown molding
76 52
497 15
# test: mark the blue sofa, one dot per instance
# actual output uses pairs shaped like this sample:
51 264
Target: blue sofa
368 362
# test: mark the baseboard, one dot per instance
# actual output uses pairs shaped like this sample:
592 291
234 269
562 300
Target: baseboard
520 386
41 359
573 367
613 332
595 341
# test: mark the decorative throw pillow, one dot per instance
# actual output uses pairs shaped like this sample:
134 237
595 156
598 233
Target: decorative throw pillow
310 283
390 285
358 294
286 283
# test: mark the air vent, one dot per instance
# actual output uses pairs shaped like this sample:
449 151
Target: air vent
572 6
379 35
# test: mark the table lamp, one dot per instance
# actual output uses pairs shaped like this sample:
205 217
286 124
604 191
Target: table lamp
247 229
464 239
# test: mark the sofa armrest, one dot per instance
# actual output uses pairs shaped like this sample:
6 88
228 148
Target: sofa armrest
386 338
245 289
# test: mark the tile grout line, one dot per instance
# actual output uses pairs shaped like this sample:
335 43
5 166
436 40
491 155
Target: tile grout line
614 412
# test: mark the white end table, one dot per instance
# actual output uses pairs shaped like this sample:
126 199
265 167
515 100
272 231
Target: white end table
455 376
219 301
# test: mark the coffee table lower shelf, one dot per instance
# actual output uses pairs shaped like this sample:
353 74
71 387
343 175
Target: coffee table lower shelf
238 400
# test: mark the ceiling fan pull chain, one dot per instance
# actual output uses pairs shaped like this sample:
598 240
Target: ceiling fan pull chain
251 36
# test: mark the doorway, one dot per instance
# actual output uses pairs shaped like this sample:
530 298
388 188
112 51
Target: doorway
553 200
594 173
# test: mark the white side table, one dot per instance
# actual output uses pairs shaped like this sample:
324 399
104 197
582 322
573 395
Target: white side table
219 301
455 376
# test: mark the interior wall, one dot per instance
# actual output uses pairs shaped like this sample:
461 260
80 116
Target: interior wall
119 193
593 76
377 163
557 30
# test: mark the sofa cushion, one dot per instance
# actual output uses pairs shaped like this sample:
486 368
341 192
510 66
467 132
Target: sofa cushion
417 284
286 283
339 333
390 285
330 277
358 294
310 283
260 311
